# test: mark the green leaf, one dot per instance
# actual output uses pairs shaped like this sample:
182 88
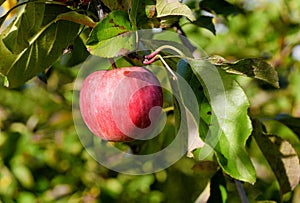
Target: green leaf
250 67
134 8
78 18
281 156
230 125
116 5
77 55
142 14
167 8
291 122
218 182
38 52
24 27
2 1
219 7
116 46
205 22
189 100
116 23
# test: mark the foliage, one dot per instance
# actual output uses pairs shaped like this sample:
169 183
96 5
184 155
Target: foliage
246 87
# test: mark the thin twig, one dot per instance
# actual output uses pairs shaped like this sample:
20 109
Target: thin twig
241 191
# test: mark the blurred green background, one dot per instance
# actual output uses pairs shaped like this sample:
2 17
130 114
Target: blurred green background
42 159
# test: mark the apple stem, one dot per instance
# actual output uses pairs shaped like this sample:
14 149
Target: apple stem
167 67
159 49
154 55
113 64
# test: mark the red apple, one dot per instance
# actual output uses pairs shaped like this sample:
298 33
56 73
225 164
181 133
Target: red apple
121 104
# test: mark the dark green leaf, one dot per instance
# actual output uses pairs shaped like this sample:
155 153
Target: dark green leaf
250 67
220 7
77 54
2 1
2 19
168 21
291 122
142 14
184 70
166 8
281 156
41 50
133 13
27 24
217 183
116 5
116 23
230 125
206 22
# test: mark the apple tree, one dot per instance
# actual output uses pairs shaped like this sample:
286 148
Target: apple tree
82 80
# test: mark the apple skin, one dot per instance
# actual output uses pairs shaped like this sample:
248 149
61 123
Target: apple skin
121 104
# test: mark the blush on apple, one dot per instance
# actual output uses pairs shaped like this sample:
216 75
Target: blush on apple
121 104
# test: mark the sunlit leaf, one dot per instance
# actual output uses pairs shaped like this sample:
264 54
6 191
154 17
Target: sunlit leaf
27 24
166 8
250 67
281 156
37 50
116 23
230 125
78 18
